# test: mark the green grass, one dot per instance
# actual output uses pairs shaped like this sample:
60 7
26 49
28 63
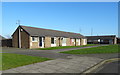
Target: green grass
15 60
63 47
95 50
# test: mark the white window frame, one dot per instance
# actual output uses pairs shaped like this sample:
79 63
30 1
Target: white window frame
73 40
43 41
78 41
54 41
53 44
64 41
35 38
84 41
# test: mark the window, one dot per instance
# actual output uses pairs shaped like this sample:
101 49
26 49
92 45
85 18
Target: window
72 40
89 40
21 30
34 39
77 40
101 40
64 40
52 41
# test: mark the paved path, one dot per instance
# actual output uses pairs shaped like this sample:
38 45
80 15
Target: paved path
73 64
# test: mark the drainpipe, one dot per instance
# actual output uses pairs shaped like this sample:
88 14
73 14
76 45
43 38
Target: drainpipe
19 38
75 42
59 41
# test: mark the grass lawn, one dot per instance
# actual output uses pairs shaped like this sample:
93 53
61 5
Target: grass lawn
14 60
95 50
63 47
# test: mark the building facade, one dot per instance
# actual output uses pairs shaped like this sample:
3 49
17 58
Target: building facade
108 39
1 38
31 37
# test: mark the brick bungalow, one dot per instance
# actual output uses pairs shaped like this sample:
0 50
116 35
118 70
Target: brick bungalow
32 37
106 39
1 38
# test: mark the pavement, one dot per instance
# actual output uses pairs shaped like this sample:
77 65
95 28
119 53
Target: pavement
73 64
62 63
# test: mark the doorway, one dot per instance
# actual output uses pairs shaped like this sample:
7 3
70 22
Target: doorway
41 42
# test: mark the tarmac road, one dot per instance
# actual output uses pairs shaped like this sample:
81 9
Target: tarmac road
111 68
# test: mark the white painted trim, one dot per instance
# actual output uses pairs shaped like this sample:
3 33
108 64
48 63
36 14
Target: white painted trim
19 39
64 43
54 45
84 41
78 41
35 37
42 42
30 43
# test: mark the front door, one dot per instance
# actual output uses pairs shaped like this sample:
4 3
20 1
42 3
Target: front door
64 42
40 41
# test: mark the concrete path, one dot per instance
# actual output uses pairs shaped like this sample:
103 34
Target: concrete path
73 64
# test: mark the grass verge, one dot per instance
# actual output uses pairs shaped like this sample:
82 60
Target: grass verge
95 50
15 60
64 47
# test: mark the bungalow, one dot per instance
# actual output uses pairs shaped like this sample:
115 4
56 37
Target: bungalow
32 37
107 39
1 38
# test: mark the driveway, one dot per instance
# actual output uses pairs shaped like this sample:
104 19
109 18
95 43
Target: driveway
41 53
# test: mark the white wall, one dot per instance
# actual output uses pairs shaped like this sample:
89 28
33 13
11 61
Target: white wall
64 42
84 41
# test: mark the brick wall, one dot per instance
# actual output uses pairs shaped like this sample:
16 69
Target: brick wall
72 42
15 39
47 42
57 41
24 39
34 44
67 41
83 41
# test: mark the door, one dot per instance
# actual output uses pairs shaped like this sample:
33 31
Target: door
64 42
40 41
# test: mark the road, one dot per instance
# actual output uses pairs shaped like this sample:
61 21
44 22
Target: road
109 68
55 53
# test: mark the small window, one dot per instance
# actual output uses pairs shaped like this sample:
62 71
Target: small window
77 40
89 40
72 40
64 40
21 30
34 39
52 41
